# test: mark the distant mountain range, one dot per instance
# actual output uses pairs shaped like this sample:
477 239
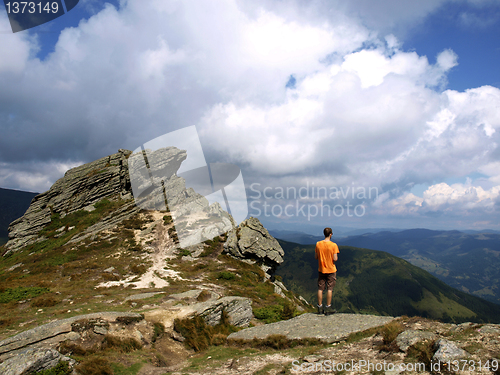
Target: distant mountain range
377 282
469 262
308 239
13 204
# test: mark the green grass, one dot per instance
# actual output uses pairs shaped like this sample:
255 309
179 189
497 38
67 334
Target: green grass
62 368
21 293
274 313
225 275
119 369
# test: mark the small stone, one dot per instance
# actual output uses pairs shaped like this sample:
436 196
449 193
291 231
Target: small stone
312 358
447 351
177 336
100 330
110 269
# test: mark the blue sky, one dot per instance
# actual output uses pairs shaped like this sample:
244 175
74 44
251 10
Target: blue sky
398 96
472 33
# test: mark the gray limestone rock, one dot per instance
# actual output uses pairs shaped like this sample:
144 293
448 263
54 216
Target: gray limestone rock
490 328
447 351
31 360
411 337
79 188
239 310
252 242
332 328
152 179
56 328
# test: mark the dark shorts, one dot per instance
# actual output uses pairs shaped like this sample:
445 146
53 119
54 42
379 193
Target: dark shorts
327 280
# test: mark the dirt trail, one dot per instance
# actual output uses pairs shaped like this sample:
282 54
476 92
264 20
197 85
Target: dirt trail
159 248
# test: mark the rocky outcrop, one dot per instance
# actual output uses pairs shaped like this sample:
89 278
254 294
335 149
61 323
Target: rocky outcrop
238 309
55 332
447 351
411 337
30 361
79 188
149 177
252 243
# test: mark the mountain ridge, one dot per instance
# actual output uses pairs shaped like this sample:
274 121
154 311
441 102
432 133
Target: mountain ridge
469 262
370 281
98 253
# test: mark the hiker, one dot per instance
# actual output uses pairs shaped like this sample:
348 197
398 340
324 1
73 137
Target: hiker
326 254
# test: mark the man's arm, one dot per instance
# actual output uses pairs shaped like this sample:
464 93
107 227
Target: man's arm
335 257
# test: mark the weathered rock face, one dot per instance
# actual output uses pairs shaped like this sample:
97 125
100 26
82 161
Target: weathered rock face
156 185
54 332
251 242
239 310
80 187
153 181
32 360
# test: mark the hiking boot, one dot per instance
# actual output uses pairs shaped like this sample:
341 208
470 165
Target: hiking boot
320 310
329 310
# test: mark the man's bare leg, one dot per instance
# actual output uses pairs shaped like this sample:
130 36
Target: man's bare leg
329 297
320 297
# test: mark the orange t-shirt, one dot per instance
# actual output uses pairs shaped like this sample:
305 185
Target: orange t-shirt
324 254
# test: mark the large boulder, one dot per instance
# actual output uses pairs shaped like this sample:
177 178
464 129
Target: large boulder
411 337
252 243
239 311
447 351
32 360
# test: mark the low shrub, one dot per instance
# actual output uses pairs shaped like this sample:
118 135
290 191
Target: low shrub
62 368
71 348
199 336
125 345
226 275
422 351
95 366
158 331
43 301
184 252
390 331
289 310
138 269
269 314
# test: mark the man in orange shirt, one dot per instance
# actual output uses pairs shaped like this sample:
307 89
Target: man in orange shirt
326 254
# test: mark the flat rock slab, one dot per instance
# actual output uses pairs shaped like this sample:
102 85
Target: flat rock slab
55 328
328 329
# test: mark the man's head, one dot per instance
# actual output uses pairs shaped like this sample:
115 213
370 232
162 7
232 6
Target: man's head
327 232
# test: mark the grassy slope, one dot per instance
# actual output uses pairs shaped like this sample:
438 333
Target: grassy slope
60 278
371 281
